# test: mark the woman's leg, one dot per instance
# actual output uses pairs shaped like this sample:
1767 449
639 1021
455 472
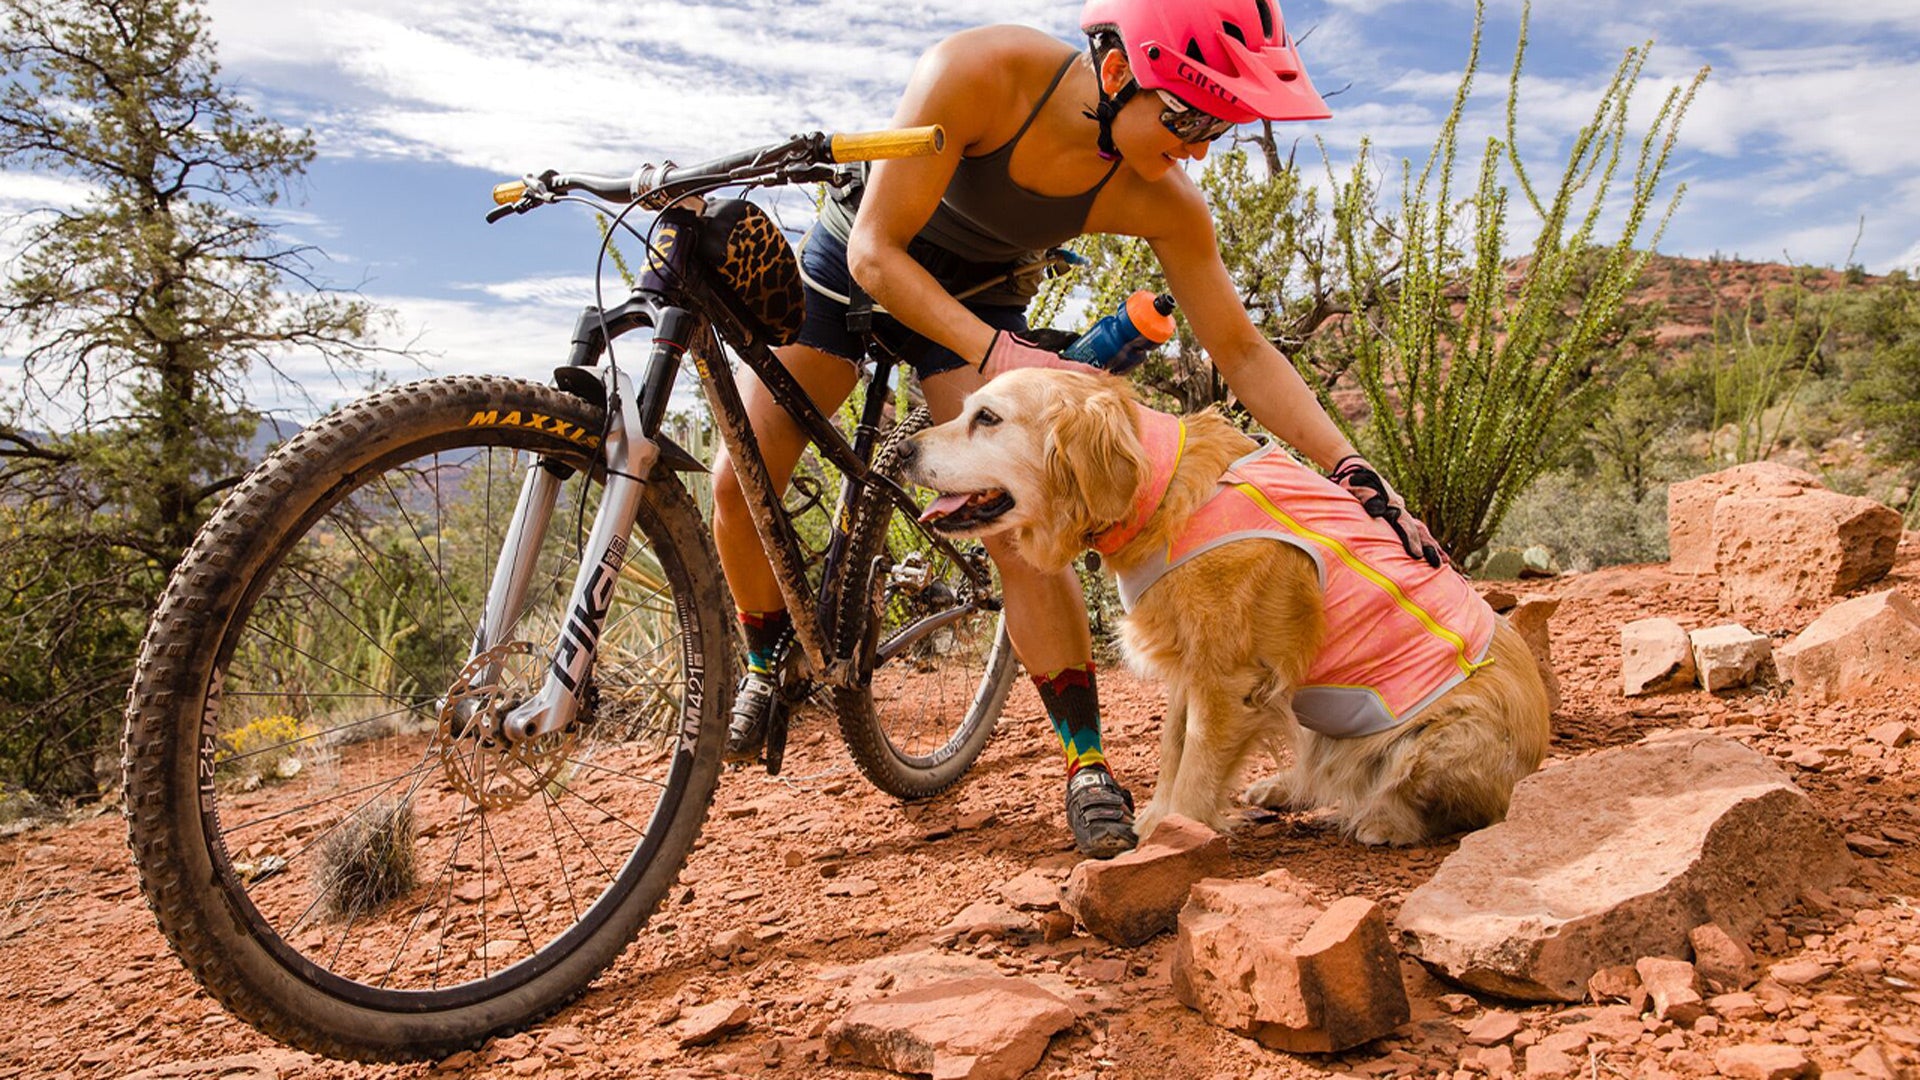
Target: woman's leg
828 380
1047 620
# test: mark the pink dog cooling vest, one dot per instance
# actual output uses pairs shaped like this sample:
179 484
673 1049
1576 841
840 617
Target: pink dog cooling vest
1400 633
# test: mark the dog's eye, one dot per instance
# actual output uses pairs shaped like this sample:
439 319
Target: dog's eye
984 418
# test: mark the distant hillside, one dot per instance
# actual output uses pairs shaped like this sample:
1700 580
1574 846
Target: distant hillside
1689 291
271 433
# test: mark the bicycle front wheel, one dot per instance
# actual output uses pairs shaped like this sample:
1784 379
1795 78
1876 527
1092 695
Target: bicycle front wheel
944 664
329 843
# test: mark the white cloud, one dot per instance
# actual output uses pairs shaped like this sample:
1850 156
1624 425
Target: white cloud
24 191
1908 260
520 330
1896 14
540 290
500 83
1803 93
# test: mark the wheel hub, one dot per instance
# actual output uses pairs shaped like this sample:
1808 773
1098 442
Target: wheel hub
476 759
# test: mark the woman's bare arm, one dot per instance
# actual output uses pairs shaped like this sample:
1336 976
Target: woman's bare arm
1264 381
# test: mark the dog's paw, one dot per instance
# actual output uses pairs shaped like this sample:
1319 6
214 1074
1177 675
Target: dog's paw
1147 819
1384 832
1276 792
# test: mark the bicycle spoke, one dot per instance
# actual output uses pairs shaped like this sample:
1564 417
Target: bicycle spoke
335 730
415 771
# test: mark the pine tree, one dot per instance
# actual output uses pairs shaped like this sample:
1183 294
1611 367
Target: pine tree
140 316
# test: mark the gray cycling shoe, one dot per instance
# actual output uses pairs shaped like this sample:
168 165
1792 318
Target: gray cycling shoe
1100 813
753 706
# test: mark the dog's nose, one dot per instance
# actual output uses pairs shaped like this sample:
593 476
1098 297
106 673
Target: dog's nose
909 452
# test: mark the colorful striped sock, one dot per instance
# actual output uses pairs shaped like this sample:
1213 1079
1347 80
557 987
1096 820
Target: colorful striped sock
766 634
1073 705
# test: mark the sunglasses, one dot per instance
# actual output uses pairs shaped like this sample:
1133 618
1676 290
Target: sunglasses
1188 124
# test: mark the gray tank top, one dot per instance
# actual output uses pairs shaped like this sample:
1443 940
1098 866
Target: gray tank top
985 217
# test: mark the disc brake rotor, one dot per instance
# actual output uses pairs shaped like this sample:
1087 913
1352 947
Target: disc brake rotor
477 761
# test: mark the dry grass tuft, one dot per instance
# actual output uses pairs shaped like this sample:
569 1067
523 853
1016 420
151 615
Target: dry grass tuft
368 861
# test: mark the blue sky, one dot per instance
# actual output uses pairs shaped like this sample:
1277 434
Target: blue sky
1807 125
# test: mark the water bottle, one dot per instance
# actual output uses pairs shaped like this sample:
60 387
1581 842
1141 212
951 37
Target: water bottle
1120 341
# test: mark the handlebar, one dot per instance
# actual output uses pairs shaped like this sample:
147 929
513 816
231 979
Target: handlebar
798 159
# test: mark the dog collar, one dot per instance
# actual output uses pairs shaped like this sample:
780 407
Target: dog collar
1163 437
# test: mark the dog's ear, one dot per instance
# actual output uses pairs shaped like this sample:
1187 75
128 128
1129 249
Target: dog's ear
1095 461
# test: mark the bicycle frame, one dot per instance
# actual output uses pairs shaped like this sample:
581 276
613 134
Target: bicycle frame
678 306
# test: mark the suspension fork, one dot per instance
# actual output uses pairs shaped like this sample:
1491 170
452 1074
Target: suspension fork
629 455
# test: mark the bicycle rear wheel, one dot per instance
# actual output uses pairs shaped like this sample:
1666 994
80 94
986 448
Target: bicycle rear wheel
327 842
944 662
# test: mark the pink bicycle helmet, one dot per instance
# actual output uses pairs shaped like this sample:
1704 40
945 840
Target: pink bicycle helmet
1230 58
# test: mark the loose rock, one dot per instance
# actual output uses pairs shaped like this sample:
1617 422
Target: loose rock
1654 655
987 919
1736 1006
1893 734
1720 959
1616 856
1129 899
1034 890
1494 1028
1728 657
1860 646
1529 616
1262 959
711 1023
1617 983
1674 987
1798 972
1761 1062
1545 1061
986 1028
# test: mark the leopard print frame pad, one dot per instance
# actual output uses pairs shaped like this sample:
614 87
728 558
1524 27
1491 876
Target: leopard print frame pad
746 252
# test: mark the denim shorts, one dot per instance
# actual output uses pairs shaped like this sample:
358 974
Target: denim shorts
823 263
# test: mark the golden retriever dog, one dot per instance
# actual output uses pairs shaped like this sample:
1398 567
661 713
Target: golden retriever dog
1242 630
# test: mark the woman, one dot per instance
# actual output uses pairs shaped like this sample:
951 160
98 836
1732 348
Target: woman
1043 144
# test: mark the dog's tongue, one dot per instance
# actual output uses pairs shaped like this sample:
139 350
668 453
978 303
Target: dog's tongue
944 505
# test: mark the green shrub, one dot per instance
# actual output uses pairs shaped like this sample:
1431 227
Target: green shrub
1587 521
1478 369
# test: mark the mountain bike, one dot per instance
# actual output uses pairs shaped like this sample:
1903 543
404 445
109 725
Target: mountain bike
409 762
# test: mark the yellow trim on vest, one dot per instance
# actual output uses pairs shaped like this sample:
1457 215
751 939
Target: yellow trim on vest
1380 580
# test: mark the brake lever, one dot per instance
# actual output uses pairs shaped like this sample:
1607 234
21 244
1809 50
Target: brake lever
538 192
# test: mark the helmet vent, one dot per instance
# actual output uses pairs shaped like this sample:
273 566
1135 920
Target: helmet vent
1266 19
1193 51
1233 32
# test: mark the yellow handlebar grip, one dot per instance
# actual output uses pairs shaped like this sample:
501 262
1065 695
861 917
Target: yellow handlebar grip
897 143
509 192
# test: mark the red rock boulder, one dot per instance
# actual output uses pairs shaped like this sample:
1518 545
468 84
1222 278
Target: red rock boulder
1129 899
1615 856
1864 645
986 1028
1690 503
1799 550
